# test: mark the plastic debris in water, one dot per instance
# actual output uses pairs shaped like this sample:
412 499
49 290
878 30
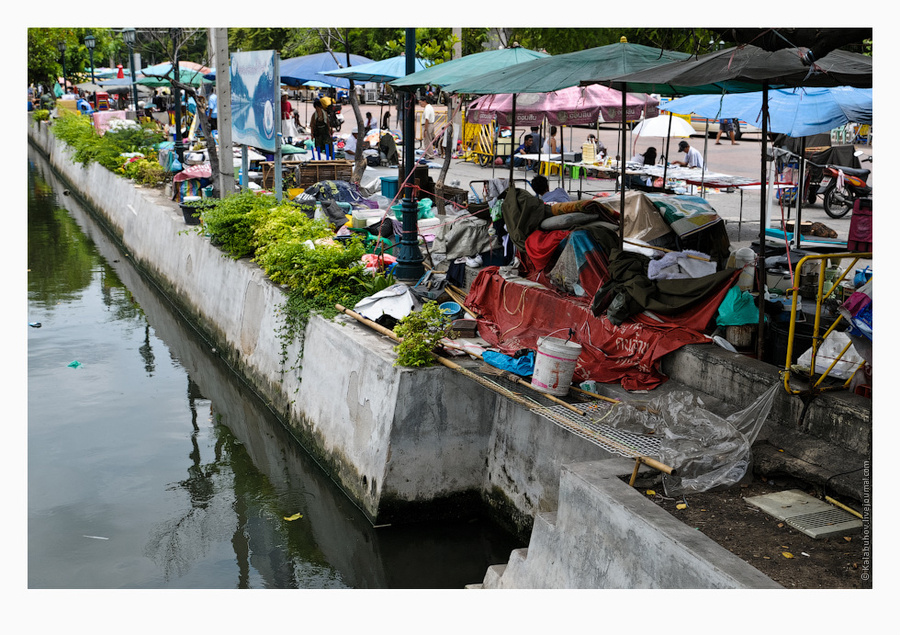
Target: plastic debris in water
294 517
74 364
34 325
96 537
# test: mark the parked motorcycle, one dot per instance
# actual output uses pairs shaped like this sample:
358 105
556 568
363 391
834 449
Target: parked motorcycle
844 187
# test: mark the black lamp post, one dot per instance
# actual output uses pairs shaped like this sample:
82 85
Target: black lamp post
62 52
90 43
410 262
128 36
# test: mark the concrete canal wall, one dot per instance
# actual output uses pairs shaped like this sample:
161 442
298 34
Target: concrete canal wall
403 444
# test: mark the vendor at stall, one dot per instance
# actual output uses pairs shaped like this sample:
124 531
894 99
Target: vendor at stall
692 158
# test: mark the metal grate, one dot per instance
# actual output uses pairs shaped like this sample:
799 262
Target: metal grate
590 427
824 523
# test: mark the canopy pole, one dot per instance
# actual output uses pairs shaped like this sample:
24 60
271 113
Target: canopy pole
705 158
764 195
668 145
622 149
800 192
512 141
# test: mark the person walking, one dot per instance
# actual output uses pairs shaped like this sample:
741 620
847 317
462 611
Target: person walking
727 126
428 119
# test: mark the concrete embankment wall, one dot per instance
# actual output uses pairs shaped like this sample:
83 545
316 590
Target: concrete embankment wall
402 443
607 535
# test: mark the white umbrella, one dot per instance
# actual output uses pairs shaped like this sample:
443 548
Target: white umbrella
659 127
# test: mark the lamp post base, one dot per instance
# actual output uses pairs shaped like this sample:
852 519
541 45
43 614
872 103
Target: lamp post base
409 267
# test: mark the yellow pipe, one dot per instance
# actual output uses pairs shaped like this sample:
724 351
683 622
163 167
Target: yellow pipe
844 507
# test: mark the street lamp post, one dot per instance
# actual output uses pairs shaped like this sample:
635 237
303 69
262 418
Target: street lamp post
128 35
90 43
62 52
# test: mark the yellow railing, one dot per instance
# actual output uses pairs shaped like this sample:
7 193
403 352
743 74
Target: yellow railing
478 142
821 296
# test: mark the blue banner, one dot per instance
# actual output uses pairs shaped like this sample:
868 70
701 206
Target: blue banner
255 100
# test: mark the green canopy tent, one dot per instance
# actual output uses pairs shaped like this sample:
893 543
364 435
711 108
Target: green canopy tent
570 69
747 68
466 66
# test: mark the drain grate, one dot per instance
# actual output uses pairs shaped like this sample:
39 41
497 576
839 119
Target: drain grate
809 515
618 442
830 522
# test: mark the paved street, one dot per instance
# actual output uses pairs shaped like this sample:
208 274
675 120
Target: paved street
741 211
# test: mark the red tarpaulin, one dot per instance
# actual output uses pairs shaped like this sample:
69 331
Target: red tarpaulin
514 315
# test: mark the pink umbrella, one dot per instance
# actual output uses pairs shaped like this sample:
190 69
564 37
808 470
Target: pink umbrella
578 105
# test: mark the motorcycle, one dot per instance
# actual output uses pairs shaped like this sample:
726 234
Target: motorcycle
844 187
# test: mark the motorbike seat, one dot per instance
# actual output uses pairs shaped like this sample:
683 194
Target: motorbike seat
862 173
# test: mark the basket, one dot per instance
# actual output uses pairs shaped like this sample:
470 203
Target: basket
312 172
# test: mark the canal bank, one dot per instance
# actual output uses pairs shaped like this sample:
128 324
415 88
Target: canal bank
401 443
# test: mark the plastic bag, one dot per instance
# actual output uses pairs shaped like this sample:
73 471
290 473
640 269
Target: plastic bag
828 352
522 365
737 308
705 450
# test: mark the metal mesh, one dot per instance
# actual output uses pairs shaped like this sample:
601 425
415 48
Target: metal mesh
590 427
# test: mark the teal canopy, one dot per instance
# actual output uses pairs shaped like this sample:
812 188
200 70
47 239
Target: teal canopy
467 66
563 71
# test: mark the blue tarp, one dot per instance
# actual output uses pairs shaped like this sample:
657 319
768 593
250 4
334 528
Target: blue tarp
382 71
798 112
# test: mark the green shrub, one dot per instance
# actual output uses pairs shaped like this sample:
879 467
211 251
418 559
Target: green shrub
232 220
41 114
421 331
78 132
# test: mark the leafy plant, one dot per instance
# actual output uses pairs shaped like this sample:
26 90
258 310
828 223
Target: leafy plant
230 223
421 331
41 114
373 283
143 171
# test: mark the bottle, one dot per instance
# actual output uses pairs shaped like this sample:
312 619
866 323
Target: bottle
744 260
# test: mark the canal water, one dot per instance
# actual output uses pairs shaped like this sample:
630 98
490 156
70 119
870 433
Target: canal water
151 465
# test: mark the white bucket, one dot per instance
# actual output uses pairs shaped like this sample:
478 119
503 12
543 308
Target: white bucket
554 365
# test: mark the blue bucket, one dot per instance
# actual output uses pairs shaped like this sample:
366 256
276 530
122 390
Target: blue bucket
389 186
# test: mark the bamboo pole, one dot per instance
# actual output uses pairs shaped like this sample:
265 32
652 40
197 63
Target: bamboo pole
518 380
665 250
844 507
646 460
445 362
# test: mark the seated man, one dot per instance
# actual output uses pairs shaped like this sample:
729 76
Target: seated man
525 148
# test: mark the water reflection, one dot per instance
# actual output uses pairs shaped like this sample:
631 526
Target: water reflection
155 444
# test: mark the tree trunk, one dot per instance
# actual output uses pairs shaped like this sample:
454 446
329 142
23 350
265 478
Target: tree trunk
359 161
202 104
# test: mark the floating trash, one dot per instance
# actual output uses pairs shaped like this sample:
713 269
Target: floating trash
74 364
34 325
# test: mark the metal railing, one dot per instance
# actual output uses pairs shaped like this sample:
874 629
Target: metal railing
817 340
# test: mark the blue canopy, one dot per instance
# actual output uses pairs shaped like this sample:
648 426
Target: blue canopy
797 112
298 71
382 71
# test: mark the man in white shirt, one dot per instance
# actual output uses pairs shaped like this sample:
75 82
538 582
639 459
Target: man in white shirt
692 158
428 118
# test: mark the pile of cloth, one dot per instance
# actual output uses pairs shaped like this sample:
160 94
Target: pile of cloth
574 274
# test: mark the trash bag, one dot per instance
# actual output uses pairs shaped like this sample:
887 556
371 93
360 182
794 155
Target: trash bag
522 365
829 350
706 451
738 308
